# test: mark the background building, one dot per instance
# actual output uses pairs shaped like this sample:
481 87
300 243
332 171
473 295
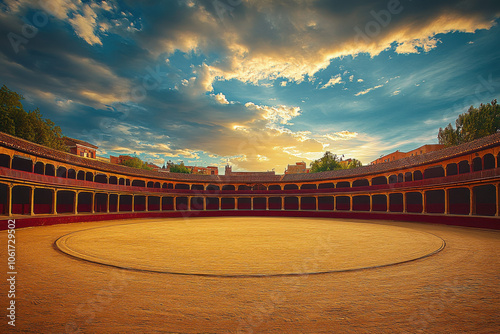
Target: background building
119 159
229 172
209 170
400 155
80 147
299 167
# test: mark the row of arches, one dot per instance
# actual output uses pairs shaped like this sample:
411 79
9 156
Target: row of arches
32 200
26 164
488 161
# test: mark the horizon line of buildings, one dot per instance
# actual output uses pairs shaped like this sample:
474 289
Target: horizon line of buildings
87 150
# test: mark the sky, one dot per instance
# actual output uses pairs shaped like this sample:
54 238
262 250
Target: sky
258 84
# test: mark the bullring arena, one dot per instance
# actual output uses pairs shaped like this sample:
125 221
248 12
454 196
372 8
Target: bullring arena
409 246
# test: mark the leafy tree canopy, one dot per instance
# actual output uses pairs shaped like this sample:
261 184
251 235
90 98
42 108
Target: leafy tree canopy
471 125
180 168
136 163
27 125
331 161
354 163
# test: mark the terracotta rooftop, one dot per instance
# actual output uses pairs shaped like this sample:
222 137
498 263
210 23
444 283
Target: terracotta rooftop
72 141
414 161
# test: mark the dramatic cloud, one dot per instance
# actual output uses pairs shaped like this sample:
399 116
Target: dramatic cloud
310 25
217 81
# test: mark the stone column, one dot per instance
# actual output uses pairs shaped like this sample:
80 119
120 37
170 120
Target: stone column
54 202
75 200
496 202
32 201
424 202
9 201
446 202
404 202
472 209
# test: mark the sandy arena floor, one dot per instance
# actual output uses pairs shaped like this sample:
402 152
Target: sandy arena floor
232 275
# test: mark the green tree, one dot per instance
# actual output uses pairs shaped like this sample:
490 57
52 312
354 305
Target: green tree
329 161
180 168
471 125
354 163
27 125
135 162
45 131
448 136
